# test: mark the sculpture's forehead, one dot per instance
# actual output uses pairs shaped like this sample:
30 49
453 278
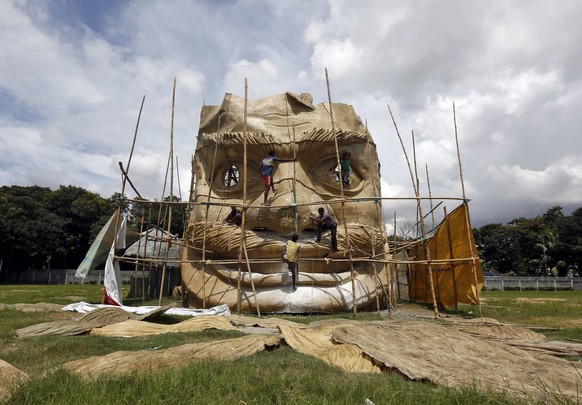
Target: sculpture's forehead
279 119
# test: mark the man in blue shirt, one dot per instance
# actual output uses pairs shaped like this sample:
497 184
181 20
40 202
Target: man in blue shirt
266 168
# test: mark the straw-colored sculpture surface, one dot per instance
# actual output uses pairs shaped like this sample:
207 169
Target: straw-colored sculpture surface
295 129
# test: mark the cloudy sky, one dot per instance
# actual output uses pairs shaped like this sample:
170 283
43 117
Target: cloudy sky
73 74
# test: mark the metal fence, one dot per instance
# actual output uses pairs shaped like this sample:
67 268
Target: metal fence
60 276
531 283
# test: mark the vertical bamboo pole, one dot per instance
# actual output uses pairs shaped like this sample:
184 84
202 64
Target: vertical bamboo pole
419 213
452 254
243 247
169 236
429 196
467 218
137 261
395 266
348 245
382 230
206 212
418 210
124 177
417 193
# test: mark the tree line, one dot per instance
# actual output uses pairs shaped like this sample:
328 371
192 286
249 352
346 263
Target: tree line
44 228
549 244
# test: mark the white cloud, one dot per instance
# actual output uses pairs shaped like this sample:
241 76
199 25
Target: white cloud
70 89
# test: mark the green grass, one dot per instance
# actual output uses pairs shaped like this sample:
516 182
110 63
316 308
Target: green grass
560 312
280 376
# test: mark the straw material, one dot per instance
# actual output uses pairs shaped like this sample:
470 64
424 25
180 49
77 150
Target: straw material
263 322
147 361
10 377
317 342
445 356
133 328
85 323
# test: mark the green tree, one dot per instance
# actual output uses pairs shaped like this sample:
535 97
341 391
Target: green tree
569 244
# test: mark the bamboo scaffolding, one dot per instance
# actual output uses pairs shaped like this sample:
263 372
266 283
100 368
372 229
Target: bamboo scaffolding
416 191
171 160
467 218
330 201
339 166
391 281
439 262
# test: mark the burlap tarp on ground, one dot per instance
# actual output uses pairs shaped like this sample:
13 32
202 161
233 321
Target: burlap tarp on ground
445 355
133 328
10 376
451 352
316 341
86 322
455 280
147 361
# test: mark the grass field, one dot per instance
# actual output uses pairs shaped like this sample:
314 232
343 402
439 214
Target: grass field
281 376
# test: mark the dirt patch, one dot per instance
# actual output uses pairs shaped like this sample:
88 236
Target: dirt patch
38 307
539 300
75 298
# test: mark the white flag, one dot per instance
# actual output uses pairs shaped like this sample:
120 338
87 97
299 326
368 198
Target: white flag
112 280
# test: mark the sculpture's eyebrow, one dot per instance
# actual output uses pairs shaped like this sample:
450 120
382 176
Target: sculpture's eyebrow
327 135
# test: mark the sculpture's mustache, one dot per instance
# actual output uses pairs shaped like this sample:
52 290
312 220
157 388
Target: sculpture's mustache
223 242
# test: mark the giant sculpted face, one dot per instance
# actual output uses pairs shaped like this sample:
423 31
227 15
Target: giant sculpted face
294 128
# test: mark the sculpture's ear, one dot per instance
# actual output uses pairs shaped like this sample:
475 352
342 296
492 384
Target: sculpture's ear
304 102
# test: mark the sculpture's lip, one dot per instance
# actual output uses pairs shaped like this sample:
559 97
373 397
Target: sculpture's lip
223 244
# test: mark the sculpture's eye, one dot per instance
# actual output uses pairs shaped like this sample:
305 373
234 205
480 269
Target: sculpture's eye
231 176
326 171
227 179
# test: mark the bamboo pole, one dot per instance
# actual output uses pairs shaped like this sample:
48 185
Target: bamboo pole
244 216
347 235
124 179
417 193
330 201
380 220
418 210
467 218
137 262
171 159
429 195
419 214
451 254
212 173
395 268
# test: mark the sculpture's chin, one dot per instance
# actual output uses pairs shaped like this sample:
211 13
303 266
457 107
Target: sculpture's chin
315 291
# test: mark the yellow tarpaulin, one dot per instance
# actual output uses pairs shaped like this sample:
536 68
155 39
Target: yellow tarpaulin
453 280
